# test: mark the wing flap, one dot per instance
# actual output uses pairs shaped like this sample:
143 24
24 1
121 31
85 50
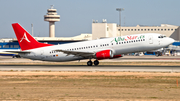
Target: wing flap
77 53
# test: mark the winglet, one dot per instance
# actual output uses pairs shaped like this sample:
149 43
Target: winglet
26 41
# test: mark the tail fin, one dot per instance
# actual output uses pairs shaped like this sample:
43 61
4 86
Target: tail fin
26 41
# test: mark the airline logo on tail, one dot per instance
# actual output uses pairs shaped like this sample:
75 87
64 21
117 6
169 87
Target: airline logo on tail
25 38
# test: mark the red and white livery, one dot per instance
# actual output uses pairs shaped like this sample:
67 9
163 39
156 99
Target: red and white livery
107 48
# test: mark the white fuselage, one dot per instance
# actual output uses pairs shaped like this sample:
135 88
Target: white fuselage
119 45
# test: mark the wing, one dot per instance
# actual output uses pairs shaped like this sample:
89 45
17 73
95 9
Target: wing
76 53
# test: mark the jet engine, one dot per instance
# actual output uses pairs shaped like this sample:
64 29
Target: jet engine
105 54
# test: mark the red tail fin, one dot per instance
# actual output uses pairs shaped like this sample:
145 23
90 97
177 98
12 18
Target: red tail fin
26 41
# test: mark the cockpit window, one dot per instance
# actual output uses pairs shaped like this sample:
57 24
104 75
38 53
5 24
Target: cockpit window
161 36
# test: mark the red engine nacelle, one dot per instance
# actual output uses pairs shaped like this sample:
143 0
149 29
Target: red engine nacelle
105 54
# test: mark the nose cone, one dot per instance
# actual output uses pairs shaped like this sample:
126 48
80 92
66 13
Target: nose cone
171 40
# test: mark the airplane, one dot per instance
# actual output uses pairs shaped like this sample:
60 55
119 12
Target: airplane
99 49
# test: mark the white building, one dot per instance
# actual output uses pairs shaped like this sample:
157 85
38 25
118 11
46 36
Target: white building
104 29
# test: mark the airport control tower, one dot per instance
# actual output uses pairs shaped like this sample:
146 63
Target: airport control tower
52 17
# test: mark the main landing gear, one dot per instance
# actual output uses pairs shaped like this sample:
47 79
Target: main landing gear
90 63
96 62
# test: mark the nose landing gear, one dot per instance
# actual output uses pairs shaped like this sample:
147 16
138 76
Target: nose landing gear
90 63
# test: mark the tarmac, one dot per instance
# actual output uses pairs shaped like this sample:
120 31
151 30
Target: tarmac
6 64
82 68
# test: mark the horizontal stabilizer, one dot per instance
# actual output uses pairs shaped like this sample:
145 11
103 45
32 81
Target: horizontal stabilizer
18 51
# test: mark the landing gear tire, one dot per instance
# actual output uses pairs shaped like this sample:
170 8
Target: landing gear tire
89 63
96 62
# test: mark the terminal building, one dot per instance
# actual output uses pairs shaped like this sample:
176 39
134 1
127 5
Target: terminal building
104 29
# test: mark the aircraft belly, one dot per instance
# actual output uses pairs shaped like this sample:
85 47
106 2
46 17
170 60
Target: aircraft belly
126 49
61 58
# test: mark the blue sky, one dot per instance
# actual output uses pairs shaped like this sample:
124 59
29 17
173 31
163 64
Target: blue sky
77 15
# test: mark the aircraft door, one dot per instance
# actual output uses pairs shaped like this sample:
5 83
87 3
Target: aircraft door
150 39
159 41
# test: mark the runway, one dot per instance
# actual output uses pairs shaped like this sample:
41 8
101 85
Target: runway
111 68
